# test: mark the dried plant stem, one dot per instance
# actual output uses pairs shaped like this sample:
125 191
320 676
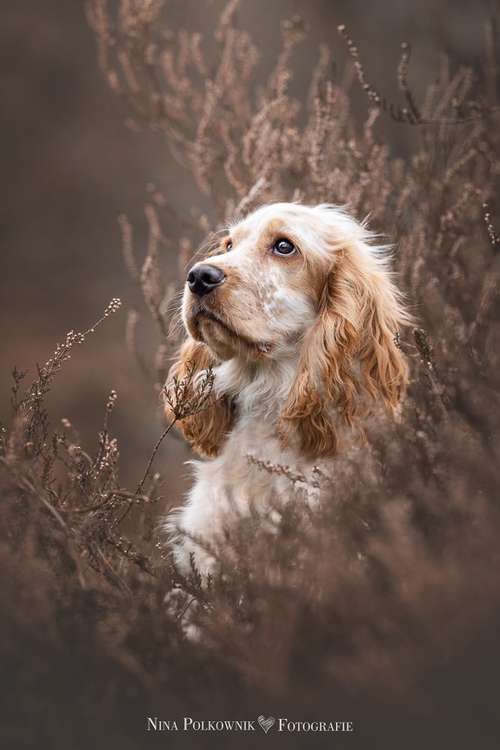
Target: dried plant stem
140 486
153 455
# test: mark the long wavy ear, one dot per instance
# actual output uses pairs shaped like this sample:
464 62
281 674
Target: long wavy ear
350 356
188 388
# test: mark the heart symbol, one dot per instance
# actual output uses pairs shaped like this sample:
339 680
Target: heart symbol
266 724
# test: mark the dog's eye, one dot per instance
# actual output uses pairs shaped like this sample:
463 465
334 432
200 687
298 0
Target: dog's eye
229 245
284 247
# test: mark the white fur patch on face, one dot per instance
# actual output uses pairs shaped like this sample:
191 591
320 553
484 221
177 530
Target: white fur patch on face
268 285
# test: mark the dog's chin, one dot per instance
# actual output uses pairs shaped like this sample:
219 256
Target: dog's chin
223 339
217 337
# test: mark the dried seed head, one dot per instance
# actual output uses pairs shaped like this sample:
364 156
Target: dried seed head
113 306
112 399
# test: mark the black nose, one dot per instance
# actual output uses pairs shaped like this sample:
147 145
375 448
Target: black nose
202 279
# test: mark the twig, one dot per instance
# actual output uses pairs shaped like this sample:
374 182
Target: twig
153 454
148 467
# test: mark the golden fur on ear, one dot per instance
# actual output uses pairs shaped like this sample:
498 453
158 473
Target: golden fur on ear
206 429
349 354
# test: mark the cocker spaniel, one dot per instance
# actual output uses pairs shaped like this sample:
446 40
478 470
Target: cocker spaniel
297 315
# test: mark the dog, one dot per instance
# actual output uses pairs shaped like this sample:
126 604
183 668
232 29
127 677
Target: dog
295 316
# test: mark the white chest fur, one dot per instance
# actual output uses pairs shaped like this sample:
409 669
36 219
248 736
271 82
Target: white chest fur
232 485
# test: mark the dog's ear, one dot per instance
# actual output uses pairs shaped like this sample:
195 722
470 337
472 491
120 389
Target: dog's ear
350 356
189 382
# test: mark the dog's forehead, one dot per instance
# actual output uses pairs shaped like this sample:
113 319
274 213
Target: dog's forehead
309 227
275 217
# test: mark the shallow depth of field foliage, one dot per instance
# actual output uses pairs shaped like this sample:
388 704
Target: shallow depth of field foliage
399 569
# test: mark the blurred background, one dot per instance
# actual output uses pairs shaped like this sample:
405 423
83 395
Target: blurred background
71 166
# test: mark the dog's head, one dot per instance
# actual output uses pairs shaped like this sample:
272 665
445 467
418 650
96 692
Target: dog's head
300 283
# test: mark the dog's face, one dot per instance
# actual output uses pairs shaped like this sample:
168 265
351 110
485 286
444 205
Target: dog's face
305 283
260 292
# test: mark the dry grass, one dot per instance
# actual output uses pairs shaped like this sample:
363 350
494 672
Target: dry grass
398 572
